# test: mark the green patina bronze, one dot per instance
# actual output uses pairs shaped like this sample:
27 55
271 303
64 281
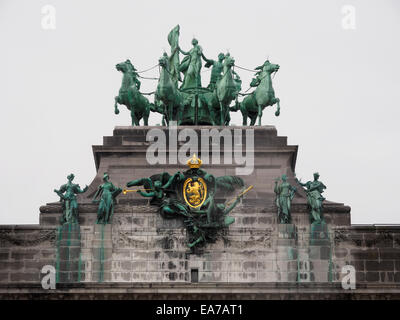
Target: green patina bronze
130 96
191 66
191 195
67 194
107 193
284 196
253 105
314 190
181 99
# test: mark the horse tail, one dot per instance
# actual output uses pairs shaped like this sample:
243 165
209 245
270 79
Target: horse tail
116 110
278 108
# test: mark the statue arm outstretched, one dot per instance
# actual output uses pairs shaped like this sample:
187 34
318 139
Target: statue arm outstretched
115 191
79 190
211 62
300 183
60 192
141 182
183 52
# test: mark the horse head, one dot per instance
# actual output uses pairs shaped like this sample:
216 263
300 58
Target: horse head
270 67
124 66
229 61
164 61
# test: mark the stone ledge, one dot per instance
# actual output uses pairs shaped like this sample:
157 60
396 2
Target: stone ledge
242 291
246 207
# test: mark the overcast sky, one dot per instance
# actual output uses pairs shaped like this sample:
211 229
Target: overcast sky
339 88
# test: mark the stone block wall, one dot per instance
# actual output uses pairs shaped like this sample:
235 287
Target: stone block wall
141 247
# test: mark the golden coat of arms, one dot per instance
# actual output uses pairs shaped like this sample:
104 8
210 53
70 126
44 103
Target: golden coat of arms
194 191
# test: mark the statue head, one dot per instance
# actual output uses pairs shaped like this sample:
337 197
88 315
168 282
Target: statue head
194 42
71 177
221 57
106 177
316 176
284 177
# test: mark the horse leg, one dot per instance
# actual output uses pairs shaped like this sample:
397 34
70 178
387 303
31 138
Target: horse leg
259 115
146 117
221 108
278 109
228 118
212 114
138 118
244 112
253 119
116 111
170 111
133 116
180 114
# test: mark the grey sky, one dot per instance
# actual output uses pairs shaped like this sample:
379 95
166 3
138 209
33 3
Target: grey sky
339 89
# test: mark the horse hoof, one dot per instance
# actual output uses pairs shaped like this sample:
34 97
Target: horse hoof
277 113
116 111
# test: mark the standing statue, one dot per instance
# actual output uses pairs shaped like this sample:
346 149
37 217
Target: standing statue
253 105
130 96
216 70
67 194
173 40
284 196
191 66
108 192
314 190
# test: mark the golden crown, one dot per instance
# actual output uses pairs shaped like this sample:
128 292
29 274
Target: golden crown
194 162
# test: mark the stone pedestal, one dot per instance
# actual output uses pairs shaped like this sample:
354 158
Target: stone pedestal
101 253
68 262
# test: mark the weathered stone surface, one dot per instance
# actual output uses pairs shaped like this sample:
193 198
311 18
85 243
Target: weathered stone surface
140 254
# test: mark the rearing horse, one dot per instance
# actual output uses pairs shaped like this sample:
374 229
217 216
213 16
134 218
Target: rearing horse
130 96
226 90
168 93
253 105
